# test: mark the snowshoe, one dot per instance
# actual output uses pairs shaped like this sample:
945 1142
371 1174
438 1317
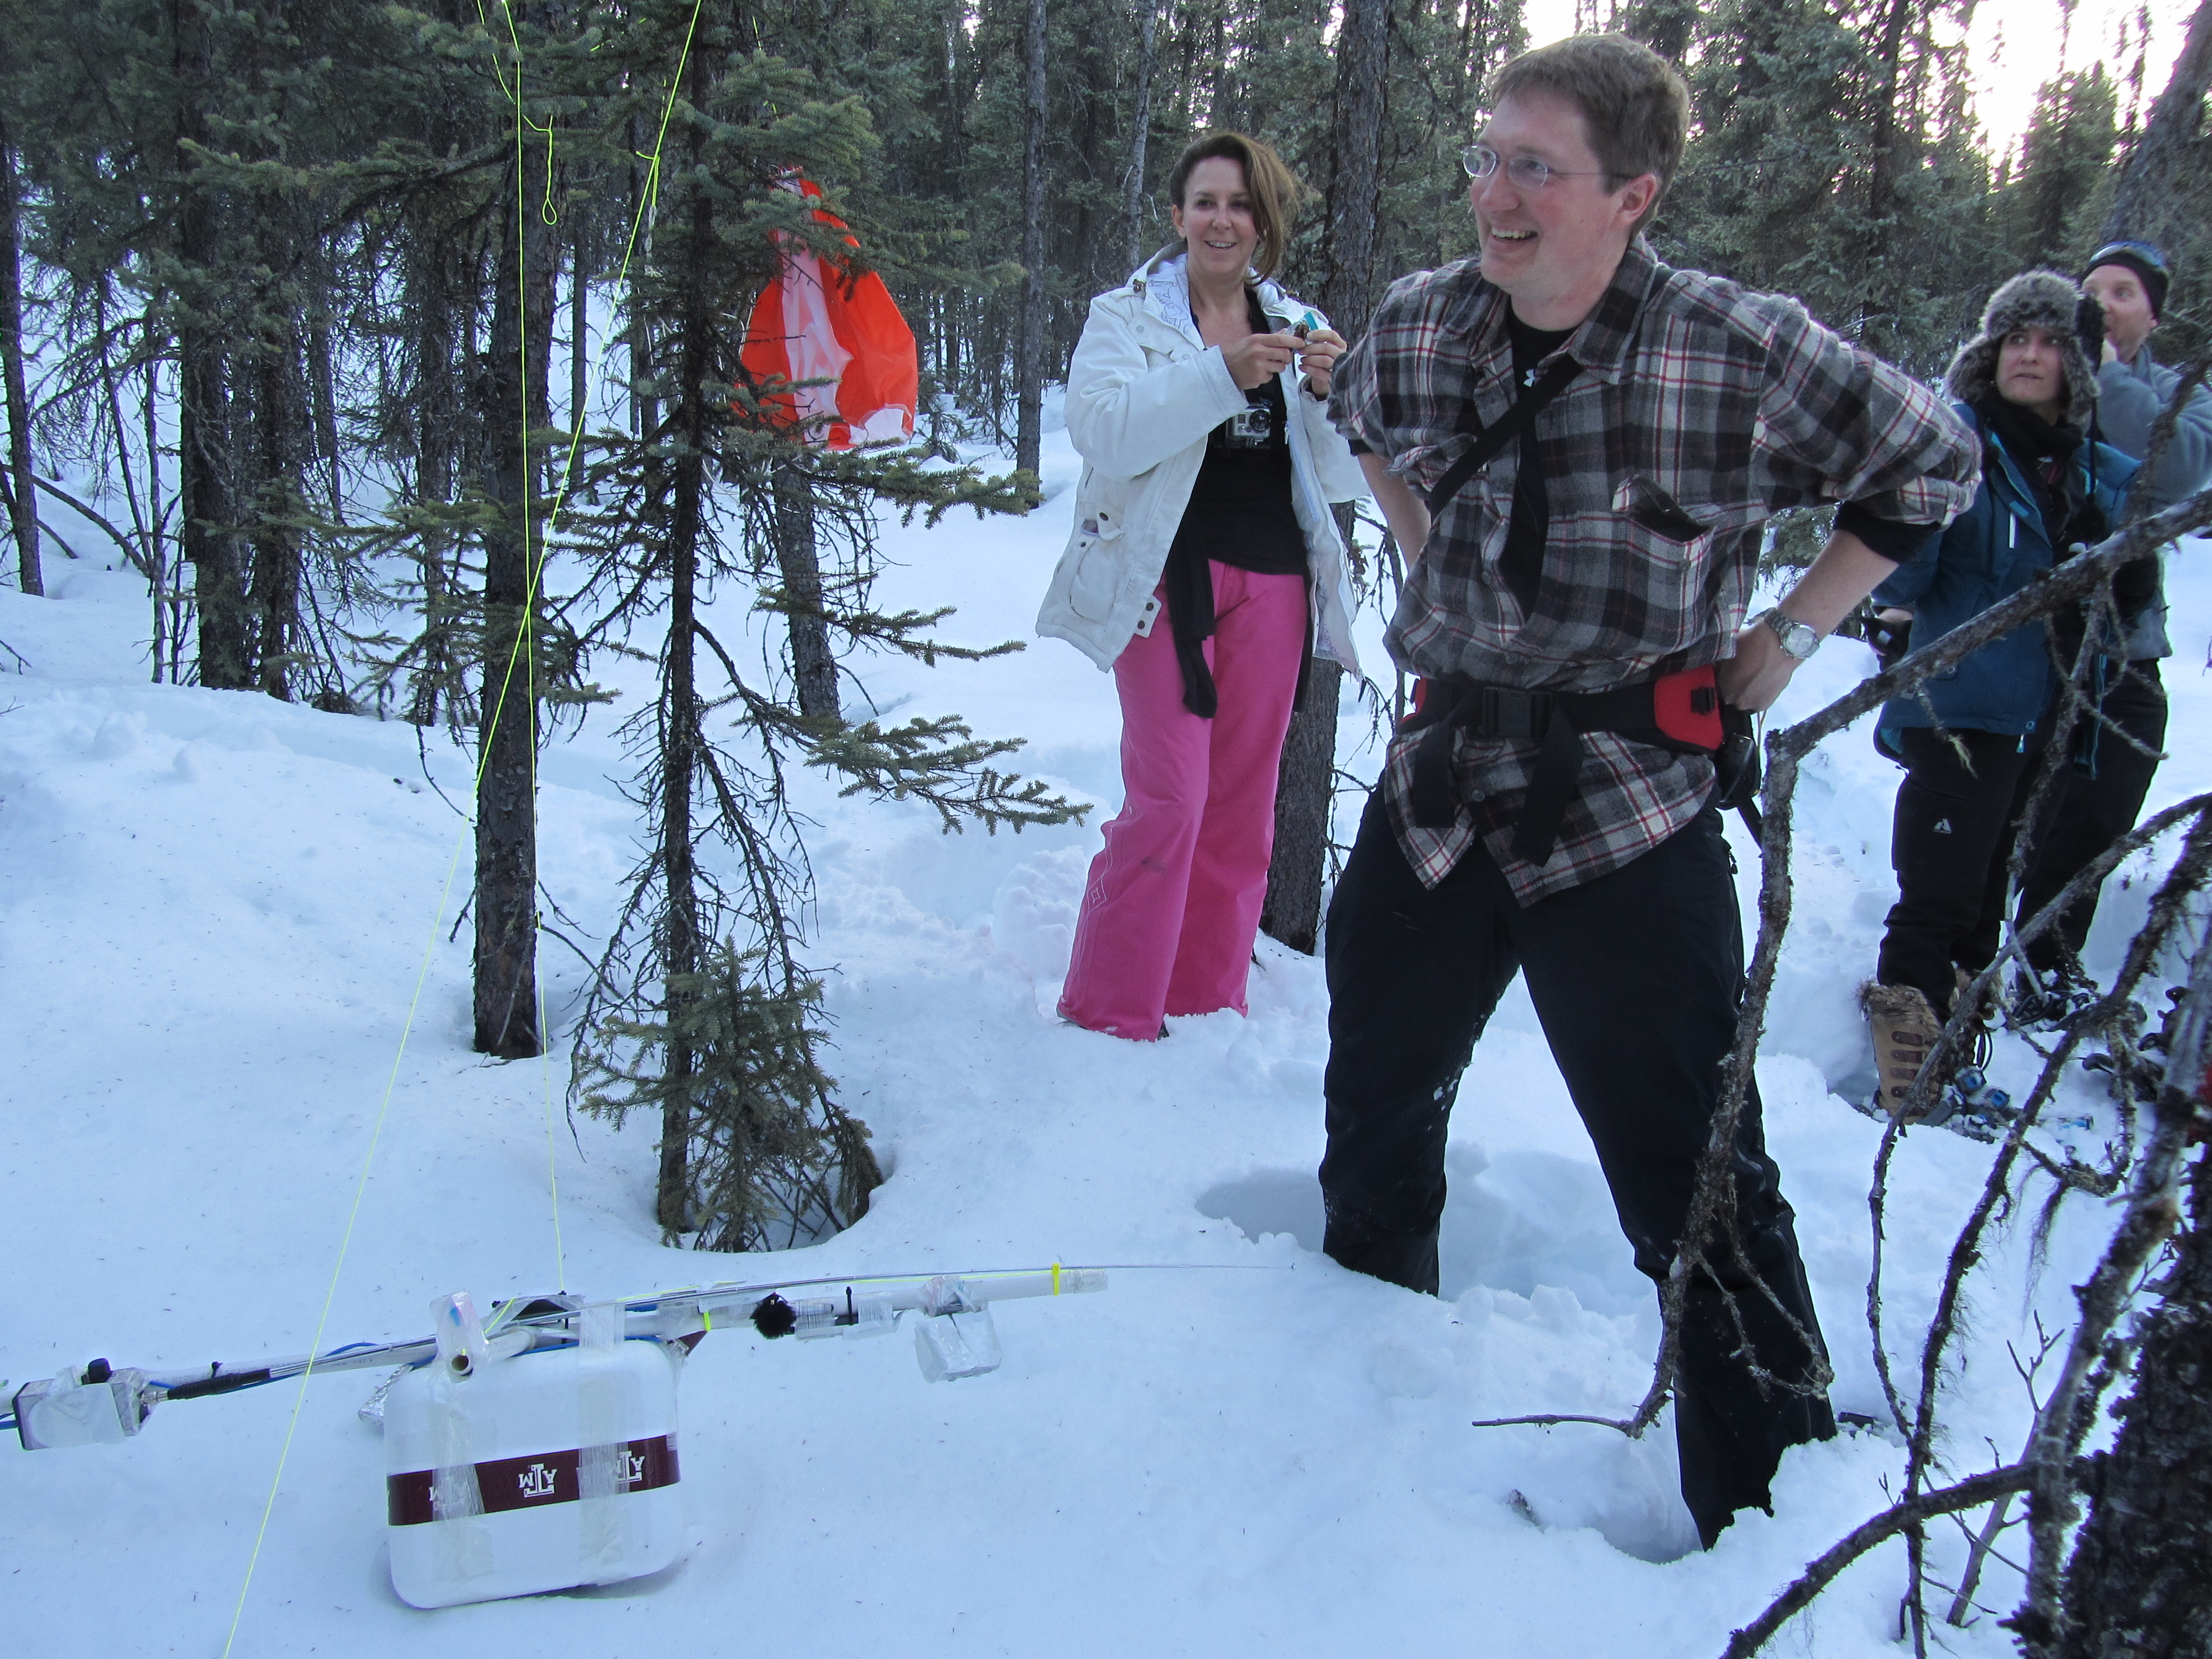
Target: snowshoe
2142 1070
2052 1000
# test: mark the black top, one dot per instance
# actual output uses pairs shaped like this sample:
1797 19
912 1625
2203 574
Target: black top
1240 510
1240 514
1523 563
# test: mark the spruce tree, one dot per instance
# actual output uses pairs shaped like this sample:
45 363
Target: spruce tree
704 1015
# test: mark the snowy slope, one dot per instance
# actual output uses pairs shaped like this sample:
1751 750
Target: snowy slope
214 917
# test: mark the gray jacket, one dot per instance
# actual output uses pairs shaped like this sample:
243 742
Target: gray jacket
2130 398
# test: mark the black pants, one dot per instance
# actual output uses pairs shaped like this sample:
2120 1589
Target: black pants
2086 814
1637 977
1949 843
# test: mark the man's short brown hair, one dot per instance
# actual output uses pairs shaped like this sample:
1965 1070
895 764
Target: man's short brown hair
1634 102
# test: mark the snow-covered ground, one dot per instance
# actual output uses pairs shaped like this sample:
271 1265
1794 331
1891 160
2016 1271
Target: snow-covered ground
215 913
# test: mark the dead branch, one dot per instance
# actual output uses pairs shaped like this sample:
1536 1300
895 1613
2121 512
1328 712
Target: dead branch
1970 1493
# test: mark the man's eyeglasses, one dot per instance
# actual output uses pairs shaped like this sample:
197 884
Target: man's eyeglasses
2149 253
1523 172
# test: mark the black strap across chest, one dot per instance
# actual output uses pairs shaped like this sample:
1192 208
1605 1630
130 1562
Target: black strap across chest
1492 440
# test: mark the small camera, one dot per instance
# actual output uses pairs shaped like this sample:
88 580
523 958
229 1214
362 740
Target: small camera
1249 428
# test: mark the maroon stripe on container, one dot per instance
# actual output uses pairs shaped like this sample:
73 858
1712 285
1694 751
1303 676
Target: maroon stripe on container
532 1482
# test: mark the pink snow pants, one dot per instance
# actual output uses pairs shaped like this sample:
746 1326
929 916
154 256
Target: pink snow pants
1173 902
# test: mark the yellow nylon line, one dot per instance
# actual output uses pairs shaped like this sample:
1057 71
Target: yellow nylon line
345 1242
407 1027
648 198
1055 1279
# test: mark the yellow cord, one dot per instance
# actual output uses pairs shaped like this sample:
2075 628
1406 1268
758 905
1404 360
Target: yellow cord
530 598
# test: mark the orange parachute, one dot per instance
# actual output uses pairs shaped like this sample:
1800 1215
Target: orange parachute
841 330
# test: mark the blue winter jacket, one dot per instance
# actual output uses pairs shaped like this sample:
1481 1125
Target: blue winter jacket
1989 552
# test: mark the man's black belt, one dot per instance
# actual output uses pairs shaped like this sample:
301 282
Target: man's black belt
1681 711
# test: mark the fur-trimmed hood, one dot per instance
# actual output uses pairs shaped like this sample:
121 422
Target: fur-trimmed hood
2035 299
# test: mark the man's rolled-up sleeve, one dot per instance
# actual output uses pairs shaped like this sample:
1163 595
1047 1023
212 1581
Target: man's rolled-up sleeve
1839 424
1353 404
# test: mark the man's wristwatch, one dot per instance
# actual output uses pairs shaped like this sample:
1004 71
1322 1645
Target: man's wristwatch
1799 640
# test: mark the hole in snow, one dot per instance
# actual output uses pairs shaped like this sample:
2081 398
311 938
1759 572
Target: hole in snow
1530 1218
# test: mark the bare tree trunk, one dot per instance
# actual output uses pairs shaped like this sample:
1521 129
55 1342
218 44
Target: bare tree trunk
1028 407
28 576
206 511
2138 1584
1305 783
2162 160
169 614
1133 196
429 302
683 931
813 668
506 806
273 597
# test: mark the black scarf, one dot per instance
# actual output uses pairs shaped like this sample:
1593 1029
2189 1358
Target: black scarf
2045 451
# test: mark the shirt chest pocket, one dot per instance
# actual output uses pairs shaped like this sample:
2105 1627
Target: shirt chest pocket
1636 577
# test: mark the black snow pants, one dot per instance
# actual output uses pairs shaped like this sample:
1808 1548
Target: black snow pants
1637 976
1950 842
2088 813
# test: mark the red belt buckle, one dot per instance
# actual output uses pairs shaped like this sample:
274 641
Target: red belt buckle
1686 707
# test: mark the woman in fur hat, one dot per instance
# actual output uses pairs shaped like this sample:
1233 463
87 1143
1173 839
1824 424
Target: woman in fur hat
2025 385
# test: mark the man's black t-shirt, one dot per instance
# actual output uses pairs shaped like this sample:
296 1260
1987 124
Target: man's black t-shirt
1523 563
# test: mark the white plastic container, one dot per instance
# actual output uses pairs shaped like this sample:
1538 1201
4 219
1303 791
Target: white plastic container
551 1469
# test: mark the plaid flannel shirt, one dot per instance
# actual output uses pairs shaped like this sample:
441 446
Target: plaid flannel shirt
1702 408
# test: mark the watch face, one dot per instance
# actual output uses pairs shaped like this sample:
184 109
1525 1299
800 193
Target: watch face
1799 640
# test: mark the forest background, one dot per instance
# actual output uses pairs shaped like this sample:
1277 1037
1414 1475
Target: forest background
401 345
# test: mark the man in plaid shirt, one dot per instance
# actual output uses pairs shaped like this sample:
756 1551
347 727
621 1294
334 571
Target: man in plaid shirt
1611 543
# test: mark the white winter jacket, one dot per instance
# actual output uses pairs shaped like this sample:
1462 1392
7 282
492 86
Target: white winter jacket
1143 392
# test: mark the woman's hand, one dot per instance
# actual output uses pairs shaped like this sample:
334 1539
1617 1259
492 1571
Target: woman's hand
1323 346
1257 358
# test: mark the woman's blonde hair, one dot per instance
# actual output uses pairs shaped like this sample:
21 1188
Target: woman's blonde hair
1273 188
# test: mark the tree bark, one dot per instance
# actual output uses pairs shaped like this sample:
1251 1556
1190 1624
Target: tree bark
2149 196
2137 1585
28 576
277 428
207 511
506 806
1028 405
1306 780
1141 137
813 668
683 931
273 595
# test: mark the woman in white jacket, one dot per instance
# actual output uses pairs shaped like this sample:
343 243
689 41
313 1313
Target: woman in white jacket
1204 552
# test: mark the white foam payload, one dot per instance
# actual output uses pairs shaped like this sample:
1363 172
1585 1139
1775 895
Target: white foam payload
553 1468
955 1336
96 1408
